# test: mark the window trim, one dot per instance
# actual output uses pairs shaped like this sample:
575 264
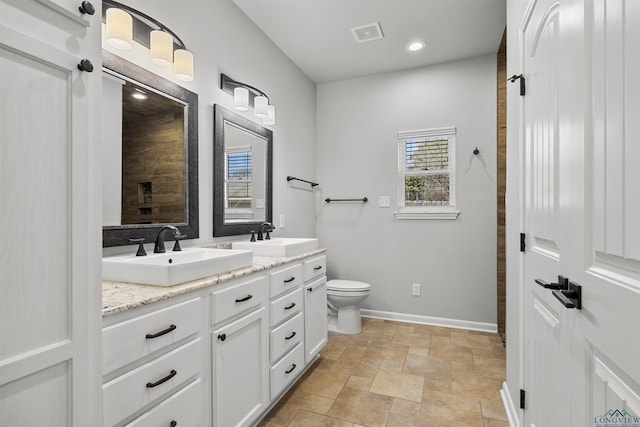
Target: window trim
444 212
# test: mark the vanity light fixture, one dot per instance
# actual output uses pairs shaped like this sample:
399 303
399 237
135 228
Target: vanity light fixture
125 24
245 96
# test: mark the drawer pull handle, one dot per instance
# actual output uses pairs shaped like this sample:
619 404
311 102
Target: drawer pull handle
163 380
290 279
222 337
317 268
293 334
161 333
290 370
289 307
173 423
247 298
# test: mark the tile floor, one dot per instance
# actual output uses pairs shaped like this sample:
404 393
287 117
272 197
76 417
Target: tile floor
399 375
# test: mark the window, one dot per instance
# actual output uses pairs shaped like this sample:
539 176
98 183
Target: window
238 181
426 181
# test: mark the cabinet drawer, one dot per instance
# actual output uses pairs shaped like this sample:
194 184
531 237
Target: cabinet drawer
286 370
315 267
286 306
286 336
133 339
238 298
184 408
285 279
130 392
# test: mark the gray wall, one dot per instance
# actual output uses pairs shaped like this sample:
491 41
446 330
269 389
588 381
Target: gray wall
454 260
223 39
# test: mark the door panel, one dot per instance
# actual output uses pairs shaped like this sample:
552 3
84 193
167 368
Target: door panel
546 338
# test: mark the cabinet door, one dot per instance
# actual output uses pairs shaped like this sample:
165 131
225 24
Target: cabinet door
49 263
240 370
315 318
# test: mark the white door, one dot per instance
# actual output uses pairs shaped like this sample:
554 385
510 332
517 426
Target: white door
581 204
546 334
601 137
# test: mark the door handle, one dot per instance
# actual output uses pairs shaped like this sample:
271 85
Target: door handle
563 283
570 298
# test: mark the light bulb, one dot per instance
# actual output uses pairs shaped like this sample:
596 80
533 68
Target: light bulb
161 48
183 65
260 104
119 28
241 99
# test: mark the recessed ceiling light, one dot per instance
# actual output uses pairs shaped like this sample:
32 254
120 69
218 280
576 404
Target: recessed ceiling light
138 95
415 46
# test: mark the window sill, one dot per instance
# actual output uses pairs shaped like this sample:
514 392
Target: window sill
426 215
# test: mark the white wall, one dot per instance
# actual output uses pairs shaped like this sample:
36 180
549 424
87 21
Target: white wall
455 261
224 40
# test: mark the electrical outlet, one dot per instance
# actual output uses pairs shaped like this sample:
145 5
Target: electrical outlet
416 289
384 202
281 221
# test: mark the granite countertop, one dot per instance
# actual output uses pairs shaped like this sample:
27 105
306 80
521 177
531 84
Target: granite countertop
119 296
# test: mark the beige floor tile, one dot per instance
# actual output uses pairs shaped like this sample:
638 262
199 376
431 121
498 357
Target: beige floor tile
406 336
433 384
362 407
404 386
361 366
391 365
470 340
379 327
324 382
387 351
361 380
310 419
333 350
433 330
317 404
454 353
360 383
493 409
396 420
441 408
427 367
491 422
286 409
489 367
418 351
406 408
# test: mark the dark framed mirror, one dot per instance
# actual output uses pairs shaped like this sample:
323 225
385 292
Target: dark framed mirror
150 156
242 174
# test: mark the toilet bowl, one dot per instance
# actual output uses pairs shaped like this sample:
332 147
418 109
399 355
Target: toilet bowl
344 298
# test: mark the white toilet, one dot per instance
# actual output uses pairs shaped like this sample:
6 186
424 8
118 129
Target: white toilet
344 298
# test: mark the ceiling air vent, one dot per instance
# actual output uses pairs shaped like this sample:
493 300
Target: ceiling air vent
367 32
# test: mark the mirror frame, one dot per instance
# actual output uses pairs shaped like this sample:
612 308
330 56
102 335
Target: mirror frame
222 115
119 235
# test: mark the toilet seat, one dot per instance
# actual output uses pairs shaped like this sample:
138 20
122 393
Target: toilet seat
347 286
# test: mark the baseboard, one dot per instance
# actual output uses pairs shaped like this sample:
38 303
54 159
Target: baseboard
427 320
509 407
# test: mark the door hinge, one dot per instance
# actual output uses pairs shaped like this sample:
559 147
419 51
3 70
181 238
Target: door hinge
523 85
523 239
522 397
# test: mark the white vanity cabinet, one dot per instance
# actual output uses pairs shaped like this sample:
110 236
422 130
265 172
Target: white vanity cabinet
286 338
315 306
153 364
240 352
49 268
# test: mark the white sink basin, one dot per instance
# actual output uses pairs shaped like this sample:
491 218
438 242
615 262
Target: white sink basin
279 246
172 268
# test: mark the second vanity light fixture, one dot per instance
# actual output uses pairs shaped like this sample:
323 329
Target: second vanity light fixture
245 96
125 24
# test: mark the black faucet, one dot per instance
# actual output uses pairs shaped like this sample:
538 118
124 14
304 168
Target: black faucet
265 226
159 247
